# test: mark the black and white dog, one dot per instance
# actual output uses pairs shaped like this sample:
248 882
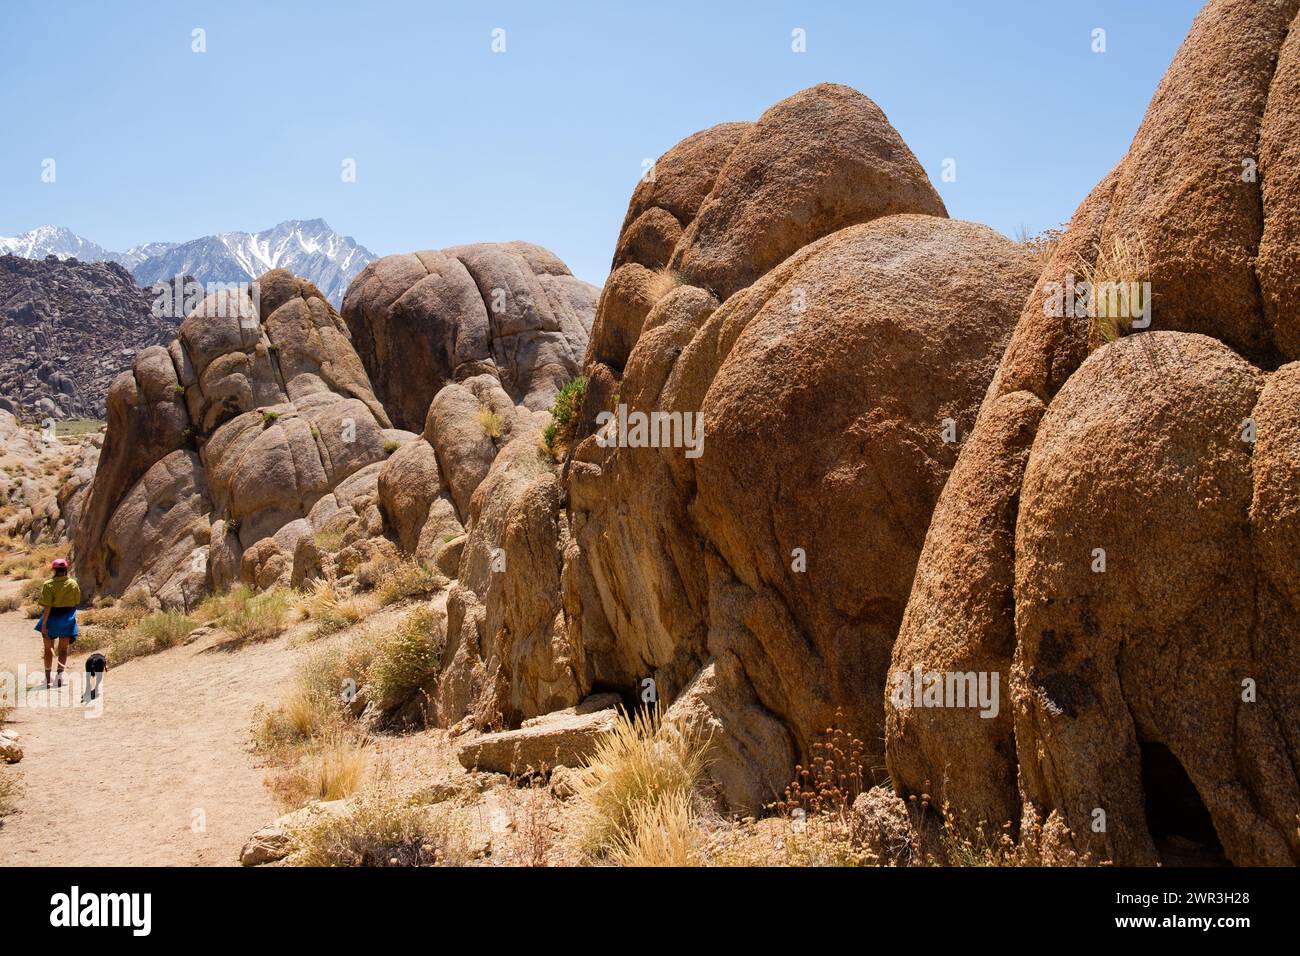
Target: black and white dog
96 664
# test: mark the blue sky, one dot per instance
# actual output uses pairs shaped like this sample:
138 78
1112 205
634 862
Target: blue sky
544 142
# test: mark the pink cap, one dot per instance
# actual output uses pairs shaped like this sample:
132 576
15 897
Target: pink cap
59 564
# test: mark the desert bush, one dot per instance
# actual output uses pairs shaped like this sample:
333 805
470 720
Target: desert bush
405 578
126 634
10 602
405 660
259 618
326 683
164 629
558 435
331 608
1042 244
382 831
216 606
633 770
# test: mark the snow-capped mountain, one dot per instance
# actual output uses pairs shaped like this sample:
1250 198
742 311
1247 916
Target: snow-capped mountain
54 240
308 248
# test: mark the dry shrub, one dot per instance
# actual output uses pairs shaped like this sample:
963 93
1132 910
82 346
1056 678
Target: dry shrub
382 831
123 634
633 770
1042 245
164 629
833 778
406 660
489 421
532 816
345 614
324 691
10 602
332 608
663 282
1122 267
261 617
406 578
214 607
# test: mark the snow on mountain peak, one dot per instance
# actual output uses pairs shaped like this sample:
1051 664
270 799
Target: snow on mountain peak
306 247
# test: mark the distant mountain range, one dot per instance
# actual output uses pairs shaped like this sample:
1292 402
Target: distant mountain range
308 248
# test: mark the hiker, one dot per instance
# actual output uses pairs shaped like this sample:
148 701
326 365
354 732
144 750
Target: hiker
60 596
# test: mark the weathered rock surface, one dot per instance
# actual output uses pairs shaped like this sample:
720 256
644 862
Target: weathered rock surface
512 310
761 584
275 841
222 448
509 651
561 739
1117 538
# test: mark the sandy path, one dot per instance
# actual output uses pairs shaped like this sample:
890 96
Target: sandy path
164 776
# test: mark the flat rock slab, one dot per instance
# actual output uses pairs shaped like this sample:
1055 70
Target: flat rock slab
562 739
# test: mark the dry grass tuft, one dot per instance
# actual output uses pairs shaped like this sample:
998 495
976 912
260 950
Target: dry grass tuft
490 422
332 608
632 772
1116 279
330 769
662 833
1043 244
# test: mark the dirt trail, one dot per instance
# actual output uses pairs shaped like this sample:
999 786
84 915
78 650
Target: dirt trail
164 776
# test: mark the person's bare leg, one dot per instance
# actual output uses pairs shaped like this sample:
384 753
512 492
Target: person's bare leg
63 658
49 658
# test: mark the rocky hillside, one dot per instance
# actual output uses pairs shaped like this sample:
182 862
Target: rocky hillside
829 458
67 328
264 439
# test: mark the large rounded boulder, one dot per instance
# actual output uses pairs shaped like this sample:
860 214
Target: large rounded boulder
819 345
512 310
1110 542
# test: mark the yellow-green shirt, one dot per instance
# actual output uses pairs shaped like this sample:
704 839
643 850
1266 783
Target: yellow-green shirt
61 591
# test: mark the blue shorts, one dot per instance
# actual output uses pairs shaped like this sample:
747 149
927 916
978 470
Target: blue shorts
60 622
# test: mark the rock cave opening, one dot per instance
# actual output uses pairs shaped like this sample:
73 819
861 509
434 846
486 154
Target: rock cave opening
1177 818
